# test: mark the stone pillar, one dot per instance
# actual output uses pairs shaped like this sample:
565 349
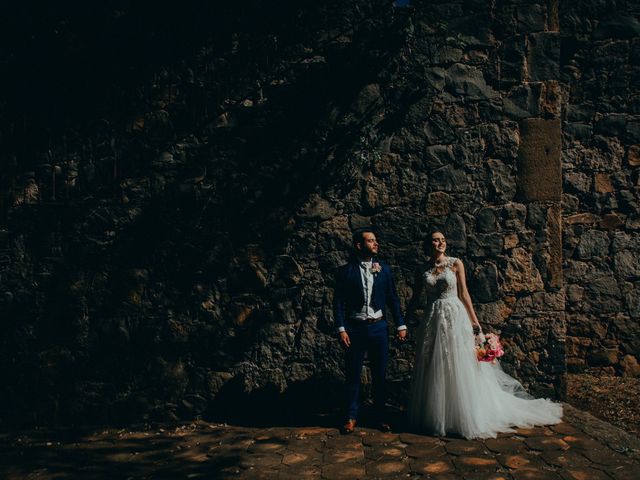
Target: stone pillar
539 181
539 160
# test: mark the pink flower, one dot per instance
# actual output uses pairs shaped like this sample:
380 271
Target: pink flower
375 267
490 349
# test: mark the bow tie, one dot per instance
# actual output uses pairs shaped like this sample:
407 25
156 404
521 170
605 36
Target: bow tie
366 264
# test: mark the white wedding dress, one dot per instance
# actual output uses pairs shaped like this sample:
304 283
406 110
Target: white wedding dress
451 391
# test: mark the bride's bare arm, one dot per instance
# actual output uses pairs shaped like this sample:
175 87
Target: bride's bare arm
463 293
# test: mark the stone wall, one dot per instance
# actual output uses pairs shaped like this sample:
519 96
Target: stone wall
475 151
169 241
600 45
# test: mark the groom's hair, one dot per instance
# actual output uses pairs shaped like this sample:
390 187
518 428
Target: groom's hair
358 234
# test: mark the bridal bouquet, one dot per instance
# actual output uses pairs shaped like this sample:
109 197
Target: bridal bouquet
489 348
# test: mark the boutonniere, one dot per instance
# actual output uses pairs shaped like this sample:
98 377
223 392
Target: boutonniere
376 268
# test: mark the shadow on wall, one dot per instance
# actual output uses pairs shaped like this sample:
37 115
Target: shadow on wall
316 402
313 402
119 289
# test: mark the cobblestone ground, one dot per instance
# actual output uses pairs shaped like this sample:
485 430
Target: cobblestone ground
582 447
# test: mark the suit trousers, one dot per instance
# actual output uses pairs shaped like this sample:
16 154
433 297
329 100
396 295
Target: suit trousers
372 340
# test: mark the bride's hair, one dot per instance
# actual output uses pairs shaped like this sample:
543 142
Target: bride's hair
434 230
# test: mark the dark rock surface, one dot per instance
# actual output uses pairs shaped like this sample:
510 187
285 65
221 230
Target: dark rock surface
176 198
601 185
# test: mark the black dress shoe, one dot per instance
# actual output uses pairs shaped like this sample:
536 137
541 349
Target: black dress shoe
384 427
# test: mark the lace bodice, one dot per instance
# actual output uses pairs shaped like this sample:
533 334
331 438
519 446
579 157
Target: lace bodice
444 284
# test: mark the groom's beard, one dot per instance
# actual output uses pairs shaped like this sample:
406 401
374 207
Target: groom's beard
367 253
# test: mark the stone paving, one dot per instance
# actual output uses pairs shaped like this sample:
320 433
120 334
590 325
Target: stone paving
581 448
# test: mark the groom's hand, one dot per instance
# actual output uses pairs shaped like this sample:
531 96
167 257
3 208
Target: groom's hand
402 335
344 338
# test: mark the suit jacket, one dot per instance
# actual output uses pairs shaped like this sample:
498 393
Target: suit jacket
348 296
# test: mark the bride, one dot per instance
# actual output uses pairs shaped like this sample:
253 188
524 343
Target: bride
451 391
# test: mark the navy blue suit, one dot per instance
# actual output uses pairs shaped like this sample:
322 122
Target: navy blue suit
348 298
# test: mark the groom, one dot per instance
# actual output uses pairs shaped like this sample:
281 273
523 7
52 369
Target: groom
364 286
